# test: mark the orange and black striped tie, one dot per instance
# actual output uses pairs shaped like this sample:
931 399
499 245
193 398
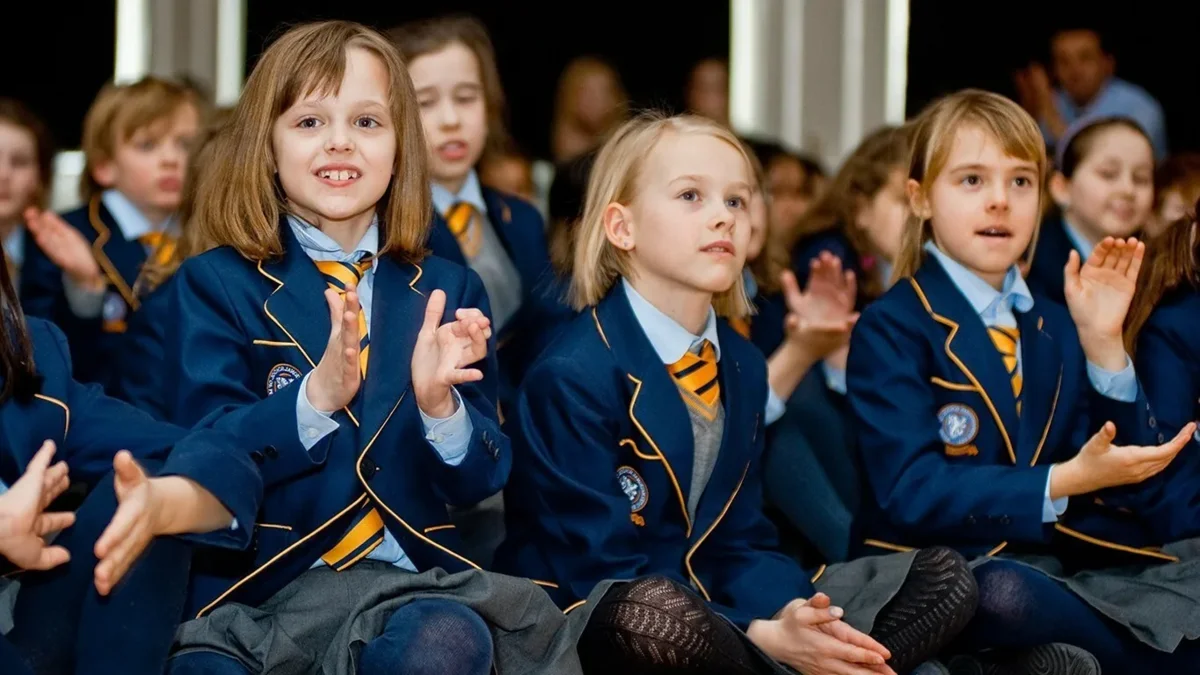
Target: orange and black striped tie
1005 340
463 221
696 376
161 246
366 534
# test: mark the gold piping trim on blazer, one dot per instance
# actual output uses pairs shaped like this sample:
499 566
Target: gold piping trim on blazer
380 502
273 343
687 559
272 526
997 549
820 573
574 606
110 270
637 389
279 284
437 528
547 584
599 328
888 547
963 367
639 453
1115 546
66 410
220 598
1046 431
413 283
954 386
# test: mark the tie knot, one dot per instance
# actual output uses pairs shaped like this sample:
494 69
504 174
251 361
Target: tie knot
459 217
340 274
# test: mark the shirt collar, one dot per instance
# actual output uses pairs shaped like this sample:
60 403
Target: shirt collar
1014 292
130 220
14 245
470 192
670 340
1078 241
319 245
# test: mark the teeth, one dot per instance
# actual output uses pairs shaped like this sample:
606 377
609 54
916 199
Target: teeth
338 175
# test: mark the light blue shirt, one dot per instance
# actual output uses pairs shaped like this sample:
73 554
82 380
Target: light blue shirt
1078 241
671 340
996 308
1118 98
449 436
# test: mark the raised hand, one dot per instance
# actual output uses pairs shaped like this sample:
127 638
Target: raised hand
443 352
823 314
1098 295
23 520
1100 464
65 247
336 379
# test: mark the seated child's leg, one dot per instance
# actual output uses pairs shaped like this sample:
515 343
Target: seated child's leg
10 660
1019 607
935 603
60 619
205 663
430 637
656 625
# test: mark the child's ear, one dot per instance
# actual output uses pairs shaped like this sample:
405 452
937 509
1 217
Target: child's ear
1060 190
916 200
618 226
105 173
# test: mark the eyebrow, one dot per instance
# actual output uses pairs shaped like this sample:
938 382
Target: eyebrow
975 166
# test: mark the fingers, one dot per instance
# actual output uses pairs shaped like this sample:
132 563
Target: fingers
336 307
1173 446
1104 254
809 615
818 600
434 310
1102 439
121 542
463 375
851 635
1135 262
54 483
791 290
42 458
51 557
129 472
53 522
850 653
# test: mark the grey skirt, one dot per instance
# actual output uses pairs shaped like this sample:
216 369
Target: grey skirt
1159 604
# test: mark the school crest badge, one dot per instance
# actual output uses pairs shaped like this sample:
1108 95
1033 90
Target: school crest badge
959 424
281 376
634 487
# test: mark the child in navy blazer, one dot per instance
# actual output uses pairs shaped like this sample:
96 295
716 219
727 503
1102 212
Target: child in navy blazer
637 478
987 416
88 263
27 152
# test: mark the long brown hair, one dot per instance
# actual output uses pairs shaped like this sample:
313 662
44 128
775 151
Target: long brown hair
419 38
19 374
15 113
1172 260
773 259
240 205
860 178
933 138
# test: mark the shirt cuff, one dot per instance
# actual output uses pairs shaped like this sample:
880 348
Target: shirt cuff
1119 385
835 378
450 436
311 424
1052 508
84 303
775 407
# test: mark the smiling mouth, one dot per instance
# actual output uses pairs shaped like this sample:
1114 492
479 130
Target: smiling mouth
338 175
720 247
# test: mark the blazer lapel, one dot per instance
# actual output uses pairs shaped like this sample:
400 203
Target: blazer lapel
657 410
1041 368
970 348
442 241
121 260
397 311
298 304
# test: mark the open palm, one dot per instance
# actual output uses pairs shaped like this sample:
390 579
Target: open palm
1098 293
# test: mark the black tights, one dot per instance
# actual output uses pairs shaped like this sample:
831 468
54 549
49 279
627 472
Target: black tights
655 626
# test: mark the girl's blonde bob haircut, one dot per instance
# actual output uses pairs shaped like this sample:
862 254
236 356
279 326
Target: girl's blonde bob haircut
240 203
615 179
933 138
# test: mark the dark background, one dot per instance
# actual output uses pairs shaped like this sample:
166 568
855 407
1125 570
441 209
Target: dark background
62 56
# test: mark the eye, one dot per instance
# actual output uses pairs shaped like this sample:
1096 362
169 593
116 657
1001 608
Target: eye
308 123
736 202
972 180
1109 174
465 98
1022 181
367 123
689 195
426 102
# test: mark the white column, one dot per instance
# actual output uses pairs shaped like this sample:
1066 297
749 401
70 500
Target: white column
231 51
133 40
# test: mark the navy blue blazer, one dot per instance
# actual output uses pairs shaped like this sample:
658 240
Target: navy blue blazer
1168 363
767 329
603 465
93 341
1049 258
544 307
947 458
89 428
139 376
241 335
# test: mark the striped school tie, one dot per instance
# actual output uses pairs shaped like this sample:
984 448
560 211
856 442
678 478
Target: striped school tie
366 534
463 221
160 245
1005 340
338 275
696 376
